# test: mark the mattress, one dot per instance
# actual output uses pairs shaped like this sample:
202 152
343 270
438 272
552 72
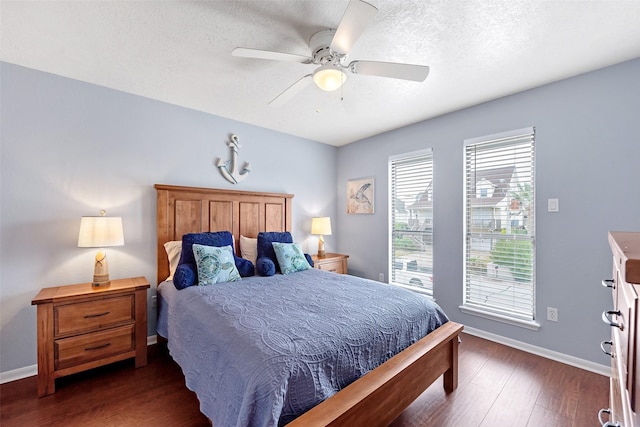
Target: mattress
262 351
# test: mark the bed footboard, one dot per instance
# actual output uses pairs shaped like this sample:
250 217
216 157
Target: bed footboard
380 396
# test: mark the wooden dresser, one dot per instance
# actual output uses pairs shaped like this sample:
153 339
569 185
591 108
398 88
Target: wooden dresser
336 263
624 320
82 327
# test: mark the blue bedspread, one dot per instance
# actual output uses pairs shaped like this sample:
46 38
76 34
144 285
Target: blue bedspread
264 350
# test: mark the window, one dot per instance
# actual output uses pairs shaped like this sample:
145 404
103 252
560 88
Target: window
411 221
500 227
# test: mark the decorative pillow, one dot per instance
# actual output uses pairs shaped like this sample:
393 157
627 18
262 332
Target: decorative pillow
186 275
290 257
249 248
215 264
244 266
309 259
265 267
265 248
173 249
218 239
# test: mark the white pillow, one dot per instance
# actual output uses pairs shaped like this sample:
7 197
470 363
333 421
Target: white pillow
249 248
174 249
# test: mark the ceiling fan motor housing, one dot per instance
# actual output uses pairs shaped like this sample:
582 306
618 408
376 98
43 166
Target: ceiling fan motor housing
319 45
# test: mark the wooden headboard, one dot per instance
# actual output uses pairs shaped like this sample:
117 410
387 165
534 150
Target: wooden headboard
183 210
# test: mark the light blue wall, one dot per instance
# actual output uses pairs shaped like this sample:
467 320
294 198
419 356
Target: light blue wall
69 149
587 156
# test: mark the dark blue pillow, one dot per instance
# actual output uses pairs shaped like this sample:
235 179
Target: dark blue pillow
186 275
208 238
265 266
309 259
265 248
244 266
217 238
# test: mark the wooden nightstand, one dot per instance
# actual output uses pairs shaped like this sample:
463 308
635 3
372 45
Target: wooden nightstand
336 263
81 327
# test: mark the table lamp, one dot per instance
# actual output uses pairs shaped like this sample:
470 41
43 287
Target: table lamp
100 232
322 227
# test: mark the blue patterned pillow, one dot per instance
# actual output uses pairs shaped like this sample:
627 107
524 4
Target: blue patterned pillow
290 257
215 264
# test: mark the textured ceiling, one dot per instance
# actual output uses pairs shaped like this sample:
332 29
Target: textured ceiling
180 52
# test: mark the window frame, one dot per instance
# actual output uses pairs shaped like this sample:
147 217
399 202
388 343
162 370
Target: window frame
424 270
491 146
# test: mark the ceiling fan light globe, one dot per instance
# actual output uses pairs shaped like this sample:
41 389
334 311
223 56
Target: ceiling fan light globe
329 78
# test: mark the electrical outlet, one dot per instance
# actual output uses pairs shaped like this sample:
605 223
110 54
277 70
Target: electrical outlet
154 301
381 277
552 314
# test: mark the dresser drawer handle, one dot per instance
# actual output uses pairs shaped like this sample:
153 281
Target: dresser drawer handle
98 347
608 283
602 344
89 316
608 423
606 319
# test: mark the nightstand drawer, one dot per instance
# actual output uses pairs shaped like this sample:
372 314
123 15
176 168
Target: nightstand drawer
333 266
98 345
71 318
335 263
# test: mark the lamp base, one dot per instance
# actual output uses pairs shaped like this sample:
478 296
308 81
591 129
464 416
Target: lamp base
100 284
100 281
321 253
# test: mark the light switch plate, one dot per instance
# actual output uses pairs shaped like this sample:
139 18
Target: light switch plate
553 205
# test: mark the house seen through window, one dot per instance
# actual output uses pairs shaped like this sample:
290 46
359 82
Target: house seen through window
411 221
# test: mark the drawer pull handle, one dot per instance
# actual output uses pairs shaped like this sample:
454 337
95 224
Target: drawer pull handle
89 316
608 423
602 344
608 283
606 319
98 347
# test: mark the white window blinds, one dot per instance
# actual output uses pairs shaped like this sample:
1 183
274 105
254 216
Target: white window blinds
411 221
500 225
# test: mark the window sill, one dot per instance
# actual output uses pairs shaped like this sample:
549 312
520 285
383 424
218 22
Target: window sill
528 324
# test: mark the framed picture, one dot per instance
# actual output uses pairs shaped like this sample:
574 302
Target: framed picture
360 194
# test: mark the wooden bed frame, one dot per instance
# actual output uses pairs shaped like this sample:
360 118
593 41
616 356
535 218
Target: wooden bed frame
375 399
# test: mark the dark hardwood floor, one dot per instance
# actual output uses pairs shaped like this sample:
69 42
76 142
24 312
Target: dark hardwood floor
498 385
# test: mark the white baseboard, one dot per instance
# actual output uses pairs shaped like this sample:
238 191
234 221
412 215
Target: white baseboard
30 371
549 354
152 339
18 374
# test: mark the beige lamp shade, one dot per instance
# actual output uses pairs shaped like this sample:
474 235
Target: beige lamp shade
322 227
100 232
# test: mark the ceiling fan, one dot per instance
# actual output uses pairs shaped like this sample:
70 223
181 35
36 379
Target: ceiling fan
329 49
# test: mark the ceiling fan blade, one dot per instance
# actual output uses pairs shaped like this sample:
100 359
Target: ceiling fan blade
267 54
355 20
291 91
417 73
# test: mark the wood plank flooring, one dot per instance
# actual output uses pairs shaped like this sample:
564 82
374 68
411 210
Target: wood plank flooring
498 385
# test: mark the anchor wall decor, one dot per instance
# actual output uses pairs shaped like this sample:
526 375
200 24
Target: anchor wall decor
229 169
